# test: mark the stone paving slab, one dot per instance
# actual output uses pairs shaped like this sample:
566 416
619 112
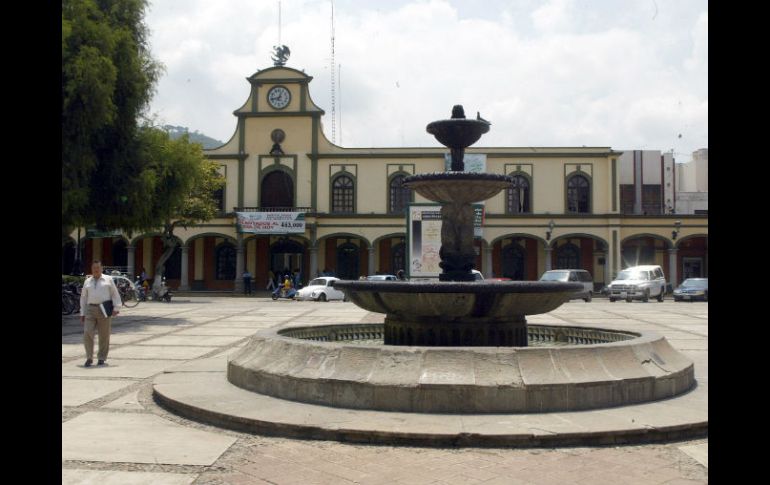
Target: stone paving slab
194 340
689 344
138 369
73 350
139 438
75 392
209 397
153 352
72 476
699 452
129 402
218 330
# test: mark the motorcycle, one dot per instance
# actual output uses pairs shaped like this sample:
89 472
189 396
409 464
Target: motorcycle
164 293
141 292
282 292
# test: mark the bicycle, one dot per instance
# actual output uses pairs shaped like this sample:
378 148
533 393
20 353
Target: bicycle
127 291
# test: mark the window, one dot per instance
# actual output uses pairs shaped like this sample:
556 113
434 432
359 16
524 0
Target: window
277 190
578 195
567 256
219 198
225 262
399 196
518 200
343 194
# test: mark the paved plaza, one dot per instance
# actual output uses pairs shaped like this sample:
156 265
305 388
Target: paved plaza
140 442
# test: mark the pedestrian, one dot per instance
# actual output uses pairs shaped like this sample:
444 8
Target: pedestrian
99 302
297 279
247 283
270 281
400 275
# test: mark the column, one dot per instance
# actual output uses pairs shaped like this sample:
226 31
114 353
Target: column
371 260
130 252
548 251
607 279
672 267
238 286
313 263
487 248
184 285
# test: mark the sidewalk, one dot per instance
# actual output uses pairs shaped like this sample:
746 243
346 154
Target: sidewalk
139 442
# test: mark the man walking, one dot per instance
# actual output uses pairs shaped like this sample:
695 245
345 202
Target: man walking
247 283
98 295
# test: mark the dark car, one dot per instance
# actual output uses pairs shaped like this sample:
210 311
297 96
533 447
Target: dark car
692 289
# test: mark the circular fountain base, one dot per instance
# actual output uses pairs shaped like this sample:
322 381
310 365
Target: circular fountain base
317 365
470 332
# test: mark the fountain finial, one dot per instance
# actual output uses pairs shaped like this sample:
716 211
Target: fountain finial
458 111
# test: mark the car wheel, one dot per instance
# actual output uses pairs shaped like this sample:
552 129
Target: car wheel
275 297
660 295
612 300
321 297
677 299
706 296
646 296
588 298
628 299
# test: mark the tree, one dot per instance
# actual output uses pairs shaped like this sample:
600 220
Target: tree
181 183
108 78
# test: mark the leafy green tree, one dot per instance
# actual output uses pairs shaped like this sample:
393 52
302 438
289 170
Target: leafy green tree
180 185
108 79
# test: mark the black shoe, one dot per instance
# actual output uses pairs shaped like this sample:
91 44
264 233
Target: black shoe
101 362
88 363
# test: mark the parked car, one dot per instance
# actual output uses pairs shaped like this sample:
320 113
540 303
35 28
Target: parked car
477 276
573 276
381 277
639 283
320 289
693 289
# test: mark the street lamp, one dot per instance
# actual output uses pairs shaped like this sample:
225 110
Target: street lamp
675 232
551 225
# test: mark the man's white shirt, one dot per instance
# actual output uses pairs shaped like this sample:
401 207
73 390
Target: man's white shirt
98 291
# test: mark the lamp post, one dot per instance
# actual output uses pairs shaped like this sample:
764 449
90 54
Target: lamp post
551 225
675 232
548 248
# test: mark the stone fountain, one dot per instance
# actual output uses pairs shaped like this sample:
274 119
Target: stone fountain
449 347
458 345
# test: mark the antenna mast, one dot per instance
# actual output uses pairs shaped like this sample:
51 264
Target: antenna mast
279 22
334 114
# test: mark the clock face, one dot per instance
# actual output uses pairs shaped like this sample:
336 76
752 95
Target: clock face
278 97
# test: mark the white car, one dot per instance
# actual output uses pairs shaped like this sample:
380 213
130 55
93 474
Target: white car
638 282
320 289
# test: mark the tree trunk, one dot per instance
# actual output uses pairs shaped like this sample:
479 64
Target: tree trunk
169 245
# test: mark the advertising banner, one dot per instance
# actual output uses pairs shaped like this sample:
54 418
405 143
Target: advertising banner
270 222
424 234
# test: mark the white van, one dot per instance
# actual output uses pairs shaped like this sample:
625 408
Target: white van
638 282
573 276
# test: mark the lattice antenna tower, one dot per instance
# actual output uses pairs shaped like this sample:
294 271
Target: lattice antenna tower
333 68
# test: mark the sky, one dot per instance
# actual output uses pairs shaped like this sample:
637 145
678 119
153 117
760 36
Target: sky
626 74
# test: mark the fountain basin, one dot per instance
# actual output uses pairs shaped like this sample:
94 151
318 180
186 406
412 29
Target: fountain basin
638 367
458 132
458 187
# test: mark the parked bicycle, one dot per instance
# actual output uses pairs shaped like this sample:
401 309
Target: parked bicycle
129 295
70 298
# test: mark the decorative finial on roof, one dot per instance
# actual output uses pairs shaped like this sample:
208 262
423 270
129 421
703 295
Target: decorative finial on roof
281 54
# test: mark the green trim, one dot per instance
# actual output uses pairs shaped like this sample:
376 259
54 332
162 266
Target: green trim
360 226
332 178
275 114
590 190
521 173
314 164
284 80
614 185
241 160
272 167
561 155
227 156
303 97
254 98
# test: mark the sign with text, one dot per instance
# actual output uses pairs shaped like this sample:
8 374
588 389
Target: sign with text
424 244
270 222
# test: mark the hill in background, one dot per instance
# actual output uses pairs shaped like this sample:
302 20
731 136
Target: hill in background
177 131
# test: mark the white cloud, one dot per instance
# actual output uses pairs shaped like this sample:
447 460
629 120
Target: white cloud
582 76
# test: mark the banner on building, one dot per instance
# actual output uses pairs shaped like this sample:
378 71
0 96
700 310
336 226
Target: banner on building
474 162
270 222
424 238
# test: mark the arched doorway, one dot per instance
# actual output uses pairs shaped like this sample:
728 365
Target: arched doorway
120 253
224 261
286 255
277 190
514 258
347 261
398 257
568 256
